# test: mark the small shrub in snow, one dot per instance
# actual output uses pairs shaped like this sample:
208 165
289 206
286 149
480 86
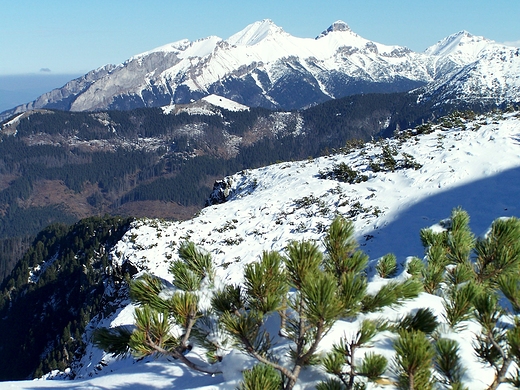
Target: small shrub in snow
344 173
387 266
305 289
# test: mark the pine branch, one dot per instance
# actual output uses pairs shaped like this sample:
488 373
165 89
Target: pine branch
177 353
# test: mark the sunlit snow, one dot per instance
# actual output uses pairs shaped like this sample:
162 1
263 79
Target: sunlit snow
476 167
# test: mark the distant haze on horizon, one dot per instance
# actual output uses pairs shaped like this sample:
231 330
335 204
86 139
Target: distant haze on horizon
24 88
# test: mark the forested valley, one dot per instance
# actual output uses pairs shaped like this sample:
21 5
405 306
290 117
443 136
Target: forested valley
60 166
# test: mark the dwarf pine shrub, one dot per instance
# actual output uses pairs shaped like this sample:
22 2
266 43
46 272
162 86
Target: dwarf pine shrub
307 290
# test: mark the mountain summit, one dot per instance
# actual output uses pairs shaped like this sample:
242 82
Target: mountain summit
256 32
263 65
461 44
336 26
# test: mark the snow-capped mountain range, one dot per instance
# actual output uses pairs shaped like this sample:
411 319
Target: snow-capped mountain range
263 65
472 163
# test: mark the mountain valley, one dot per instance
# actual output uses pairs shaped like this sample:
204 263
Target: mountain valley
394 188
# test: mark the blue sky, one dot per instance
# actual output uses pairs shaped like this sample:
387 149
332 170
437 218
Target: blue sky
77 36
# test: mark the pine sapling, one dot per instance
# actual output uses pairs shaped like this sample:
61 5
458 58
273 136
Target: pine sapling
261 376
387 266
448 363
413 361
165 317
341 361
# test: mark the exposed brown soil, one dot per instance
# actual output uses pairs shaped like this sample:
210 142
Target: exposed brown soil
5 181
55 192
158 209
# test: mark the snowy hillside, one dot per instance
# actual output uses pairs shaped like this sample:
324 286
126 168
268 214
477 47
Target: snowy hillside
208 105
472 163
484 71
263 65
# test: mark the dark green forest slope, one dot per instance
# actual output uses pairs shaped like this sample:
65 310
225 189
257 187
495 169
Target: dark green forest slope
53 290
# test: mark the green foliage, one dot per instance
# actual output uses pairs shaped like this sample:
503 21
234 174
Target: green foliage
373 366
184 307
392 293
325 288
198 261
341 361
192 267
184 277
509 285
341 245
146 290
330 384
422 320
228 300
152 333
447 363
460 240
387 266
303 260
429 237
460 273
353 289
323 304
473 275
113 340
266 283
433 275
499 253
491 341
415 267
245 328
261 376
458 303
413 361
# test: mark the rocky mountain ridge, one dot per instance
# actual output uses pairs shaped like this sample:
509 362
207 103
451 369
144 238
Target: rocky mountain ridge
264 66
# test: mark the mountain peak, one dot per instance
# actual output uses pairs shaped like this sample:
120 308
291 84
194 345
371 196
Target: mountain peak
461 41
255 32
338 25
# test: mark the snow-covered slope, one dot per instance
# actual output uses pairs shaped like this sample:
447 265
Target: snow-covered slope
479 71
208 105
475 165
263 65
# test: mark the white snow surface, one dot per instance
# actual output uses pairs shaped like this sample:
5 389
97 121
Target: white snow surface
462 43
470 67
208 105
476 167
225 103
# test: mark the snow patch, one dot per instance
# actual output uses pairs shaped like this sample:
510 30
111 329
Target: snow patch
225 103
